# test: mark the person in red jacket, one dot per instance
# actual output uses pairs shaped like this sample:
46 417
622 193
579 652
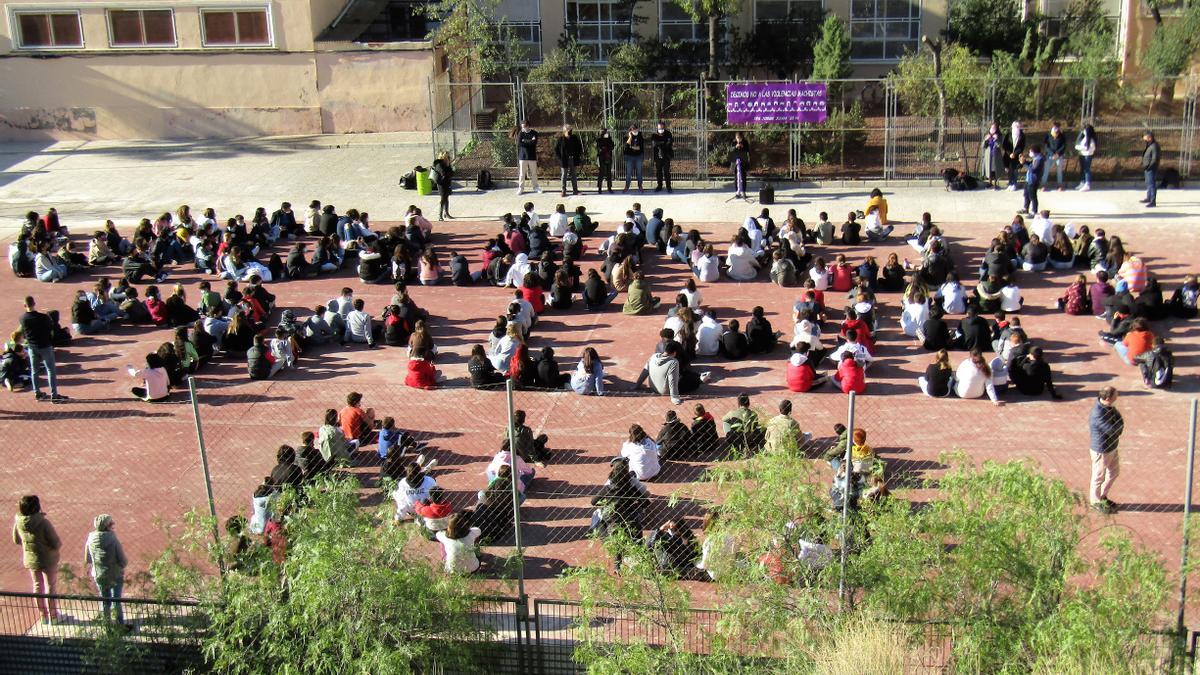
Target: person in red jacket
860 327
434 513
841 275
801 376
531 291
850 376
421 373
156 307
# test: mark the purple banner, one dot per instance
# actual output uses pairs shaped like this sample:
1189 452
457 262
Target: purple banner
774 103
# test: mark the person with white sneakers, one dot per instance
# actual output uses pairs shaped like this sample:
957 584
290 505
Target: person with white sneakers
1085 145
527 140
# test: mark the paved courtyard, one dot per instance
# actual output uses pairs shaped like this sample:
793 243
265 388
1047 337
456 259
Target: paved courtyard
103 452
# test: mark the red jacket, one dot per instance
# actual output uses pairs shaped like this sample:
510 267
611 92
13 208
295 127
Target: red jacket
158 311
841 278
800 378
433 509
421 374
852 377
863 330
536 297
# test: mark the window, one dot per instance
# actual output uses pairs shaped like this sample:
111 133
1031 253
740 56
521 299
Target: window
769 11
599 25
884 30
48 30
529 34
141 28
236 28
675 24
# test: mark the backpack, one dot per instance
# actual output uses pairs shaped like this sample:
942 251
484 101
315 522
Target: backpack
766 195
484 182
409 181
1158 368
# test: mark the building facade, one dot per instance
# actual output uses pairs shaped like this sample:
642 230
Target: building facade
202 69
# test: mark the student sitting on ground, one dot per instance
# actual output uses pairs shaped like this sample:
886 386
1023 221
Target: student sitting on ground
642 453
421 373
938 379
155 382
850 376
801 375
974 377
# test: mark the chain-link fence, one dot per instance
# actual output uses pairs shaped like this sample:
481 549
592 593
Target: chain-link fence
876 129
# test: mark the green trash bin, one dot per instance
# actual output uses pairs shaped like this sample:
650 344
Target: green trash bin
424 185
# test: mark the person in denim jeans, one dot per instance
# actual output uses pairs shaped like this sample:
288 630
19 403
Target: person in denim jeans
1150 158
104 553
39 343
635 156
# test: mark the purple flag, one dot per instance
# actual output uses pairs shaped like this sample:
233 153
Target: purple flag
775 103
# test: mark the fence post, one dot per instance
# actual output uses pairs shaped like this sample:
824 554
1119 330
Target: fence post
516 494
1187 512
432 119
212 505
848 465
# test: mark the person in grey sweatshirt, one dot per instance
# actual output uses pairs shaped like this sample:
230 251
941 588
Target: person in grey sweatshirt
104 553
668 377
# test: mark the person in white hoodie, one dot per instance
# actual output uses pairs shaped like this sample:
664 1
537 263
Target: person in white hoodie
708 335
974 377
559 221
953 295
740 260
642 453
516 273
260 505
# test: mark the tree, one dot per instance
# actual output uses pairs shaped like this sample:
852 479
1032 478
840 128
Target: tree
354 594
831 55
1173 45
783 48
985 26
474 37
712 12
957 90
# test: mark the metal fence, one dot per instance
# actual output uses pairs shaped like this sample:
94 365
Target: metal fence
881 129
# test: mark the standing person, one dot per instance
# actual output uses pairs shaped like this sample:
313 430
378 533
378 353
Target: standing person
443 173
39 344
527 139
104 553
569 151
1105 425
1056 155
604 155
1150 158
993 155
663 145
1085 145
40 545
1035 165
1014 150
741 164
634 154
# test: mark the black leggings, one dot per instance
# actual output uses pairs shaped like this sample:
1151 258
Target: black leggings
443 202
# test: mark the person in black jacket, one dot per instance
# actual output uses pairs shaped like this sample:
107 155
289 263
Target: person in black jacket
662 143
483 373
442 173
705 438
634 153
734 345
973 332
83 318
527 139
761 336
569 151
460 270
549 375
1150 159
256 360
284 222
286 472
674 439
621 503
297 262
604 155
934 334
1014 148
595 291
327 225
1031 374
1056 155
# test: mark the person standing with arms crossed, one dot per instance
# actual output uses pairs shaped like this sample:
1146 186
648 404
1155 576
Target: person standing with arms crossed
527 139
39 343
1150 158
604 155
1105 426
569 150
634 154
663 145
740 157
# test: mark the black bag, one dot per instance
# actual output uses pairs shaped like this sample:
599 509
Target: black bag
1158 368
409 181
1169 178
766 195
484 182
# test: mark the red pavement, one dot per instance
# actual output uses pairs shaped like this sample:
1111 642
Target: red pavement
104 452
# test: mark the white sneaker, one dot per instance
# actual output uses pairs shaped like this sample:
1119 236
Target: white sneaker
431 465
539 191
706 376
520 191
420 460
1012 188
1086 188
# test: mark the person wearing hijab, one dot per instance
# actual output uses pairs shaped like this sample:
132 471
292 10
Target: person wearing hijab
1014 148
